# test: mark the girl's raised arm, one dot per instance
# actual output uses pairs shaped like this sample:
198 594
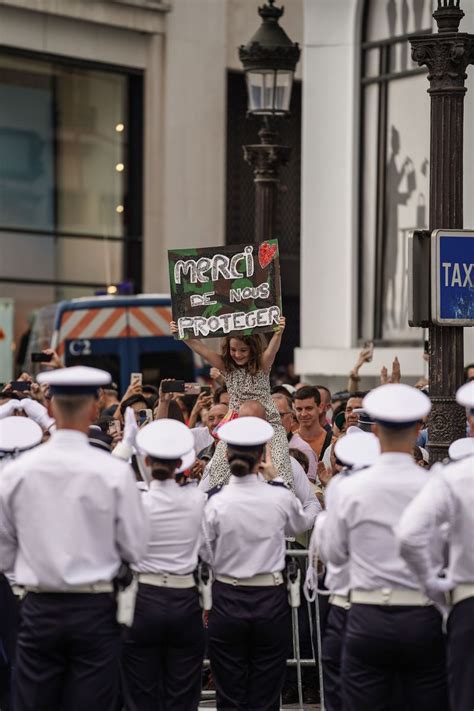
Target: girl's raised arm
198 347
268 355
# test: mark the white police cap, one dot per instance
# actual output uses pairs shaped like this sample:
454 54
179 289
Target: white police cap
396 405
461 448
165 439
465 395
188 460
77 380
246 432
18 434
360 451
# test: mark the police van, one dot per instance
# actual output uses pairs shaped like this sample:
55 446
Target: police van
121 334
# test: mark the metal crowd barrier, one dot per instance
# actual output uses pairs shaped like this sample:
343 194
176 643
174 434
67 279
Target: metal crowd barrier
297 660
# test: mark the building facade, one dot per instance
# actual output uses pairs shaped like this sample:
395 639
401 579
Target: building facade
365 182
114 133
121 126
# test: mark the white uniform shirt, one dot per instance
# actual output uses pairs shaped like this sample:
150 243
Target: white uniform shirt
175 514
245 526
303 490
361 517
71 513
447 501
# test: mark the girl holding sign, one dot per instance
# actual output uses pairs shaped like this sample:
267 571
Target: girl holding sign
245 363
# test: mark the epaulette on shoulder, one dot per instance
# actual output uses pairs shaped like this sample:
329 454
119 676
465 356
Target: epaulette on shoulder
214 490
272 482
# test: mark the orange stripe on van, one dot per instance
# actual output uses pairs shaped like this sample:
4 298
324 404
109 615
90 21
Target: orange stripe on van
152 327
102 331
89 316
165 312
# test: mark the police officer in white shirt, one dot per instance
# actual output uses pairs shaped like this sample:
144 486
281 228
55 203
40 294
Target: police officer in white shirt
163 653
71 515
302 487
448 501
17 435
392 630
245 527
353 452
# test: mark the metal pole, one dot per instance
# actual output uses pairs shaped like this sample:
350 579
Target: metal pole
447 55
266 159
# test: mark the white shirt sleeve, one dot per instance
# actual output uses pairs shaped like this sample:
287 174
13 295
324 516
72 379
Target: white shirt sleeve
431 508
334 543
132 524
298 520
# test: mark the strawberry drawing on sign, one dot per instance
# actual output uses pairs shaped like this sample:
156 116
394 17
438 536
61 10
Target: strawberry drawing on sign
266 252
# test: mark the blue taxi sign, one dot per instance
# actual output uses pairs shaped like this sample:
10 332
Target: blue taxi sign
452 277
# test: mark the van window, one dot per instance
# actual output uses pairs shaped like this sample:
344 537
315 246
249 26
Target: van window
167 364
104 361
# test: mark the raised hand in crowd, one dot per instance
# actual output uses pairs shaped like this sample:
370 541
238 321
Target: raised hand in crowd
395 377
204 401
365 356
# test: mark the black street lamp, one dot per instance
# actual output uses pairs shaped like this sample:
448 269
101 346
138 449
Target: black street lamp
269 60
447 55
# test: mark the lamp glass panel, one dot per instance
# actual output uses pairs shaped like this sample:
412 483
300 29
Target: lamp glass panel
284 83
269 91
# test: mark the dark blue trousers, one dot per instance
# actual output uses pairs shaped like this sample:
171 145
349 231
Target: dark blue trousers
332 648
331 657
461 656
383 643
163 652
67 653
249 634
8 630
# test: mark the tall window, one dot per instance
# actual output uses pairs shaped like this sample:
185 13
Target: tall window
394 179
66 198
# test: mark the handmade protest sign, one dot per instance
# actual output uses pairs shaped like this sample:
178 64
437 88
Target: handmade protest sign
221 291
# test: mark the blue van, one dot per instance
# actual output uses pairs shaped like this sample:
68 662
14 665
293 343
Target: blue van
121 334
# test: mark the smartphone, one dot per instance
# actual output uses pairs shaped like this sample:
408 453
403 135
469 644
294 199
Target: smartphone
20 386
136 379
114 427
41 357
206 389
192 388
144 417
369 345
172 386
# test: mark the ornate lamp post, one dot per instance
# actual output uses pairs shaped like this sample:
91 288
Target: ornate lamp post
447 54
269 60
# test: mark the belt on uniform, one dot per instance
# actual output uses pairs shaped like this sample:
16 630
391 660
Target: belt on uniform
462 592
261 580
340 601
390 596
18 591
92 588
166 580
